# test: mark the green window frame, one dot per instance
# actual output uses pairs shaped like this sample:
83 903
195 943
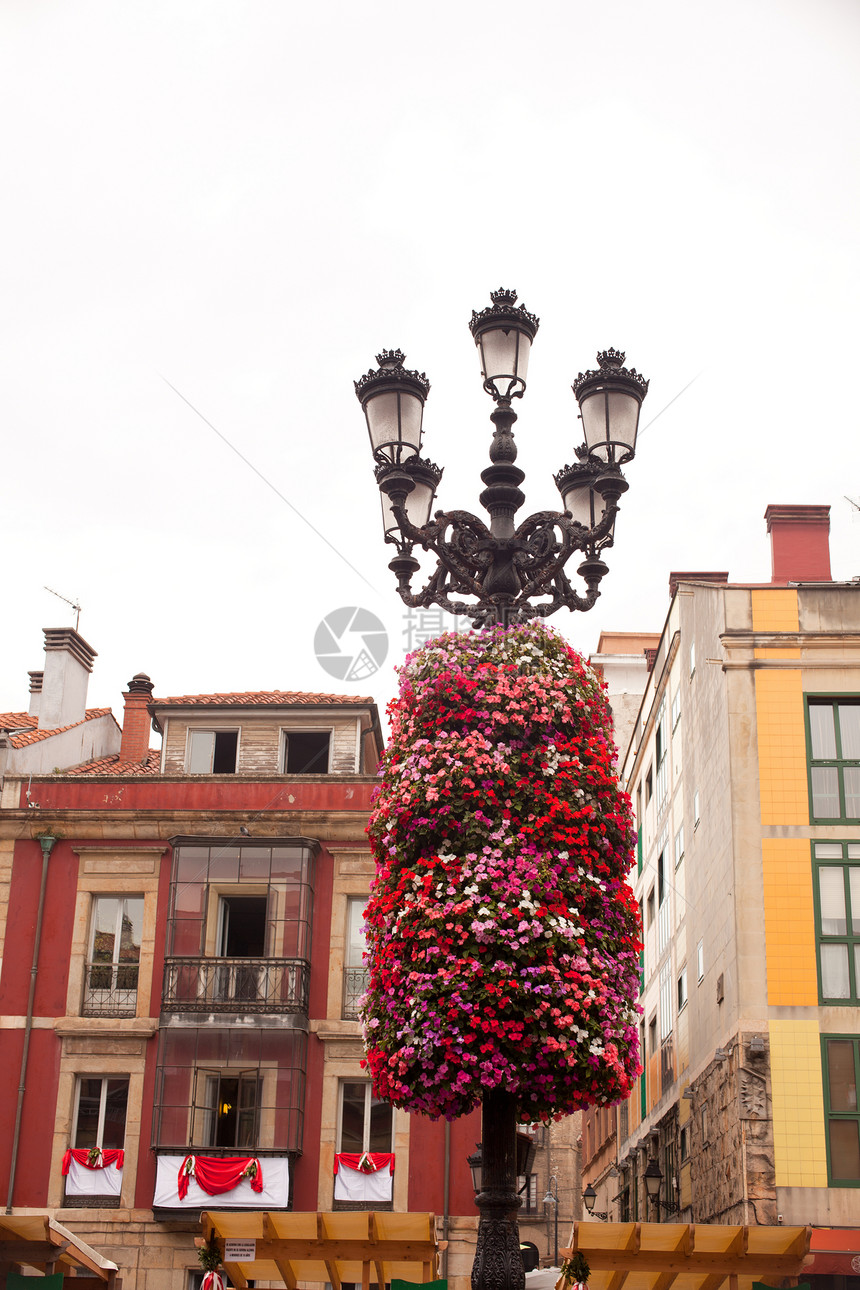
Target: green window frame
833 757
836 894
840 1063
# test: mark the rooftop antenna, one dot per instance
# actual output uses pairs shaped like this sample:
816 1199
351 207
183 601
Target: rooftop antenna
73 604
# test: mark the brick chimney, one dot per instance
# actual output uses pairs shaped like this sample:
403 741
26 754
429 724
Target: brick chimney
68 663
135 719
799 543
35 692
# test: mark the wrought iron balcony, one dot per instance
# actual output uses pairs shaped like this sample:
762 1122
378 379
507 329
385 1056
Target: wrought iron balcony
110 990
236 985
354 986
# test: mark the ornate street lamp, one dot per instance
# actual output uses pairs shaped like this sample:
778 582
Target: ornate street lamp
510 572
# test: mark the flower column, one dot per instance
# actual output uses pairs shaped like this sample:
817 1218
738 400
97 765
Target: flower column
502 936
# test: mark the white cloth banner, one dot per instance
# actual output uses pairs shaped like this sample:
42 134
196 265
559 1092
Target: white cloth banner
81 1181
275 1193
355 1185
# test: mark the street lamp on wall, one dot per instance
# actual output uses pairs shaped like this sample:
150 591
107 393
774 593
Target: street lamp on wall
653 1178
509 572
589 1196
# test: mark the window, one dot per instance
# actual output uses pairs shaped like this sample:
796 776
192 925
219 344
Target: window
527 1191
700 960
229 1088
100 1110
212 752
226 1108
704 1124
834 758
679 846
841 1056
652 1036
306 752
354 971
676 709
685 1144
837 910
650 906
661 745
666 1001
366 1122
682 988
649 784
111 975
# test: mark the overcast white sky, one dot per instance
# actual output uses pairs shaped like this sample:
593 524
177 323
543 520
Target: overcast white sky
250 199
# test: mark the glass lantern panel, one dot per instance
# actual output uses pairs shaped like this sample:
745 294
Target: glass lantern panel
394 419
581 504
418 503
389 523
594 411
623 419
499 355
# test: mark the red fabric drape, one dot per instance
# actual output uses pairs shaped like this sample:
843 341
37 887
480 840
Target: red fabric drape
350 1159
215 1174
213 1281
82 1156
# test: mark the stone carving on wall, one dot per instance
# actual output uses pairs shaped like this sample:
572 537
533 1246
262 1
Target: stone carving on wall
753 1095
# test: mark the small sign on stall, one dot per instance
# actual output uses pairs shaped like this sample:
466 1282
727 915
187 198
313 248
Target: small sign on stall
240 1251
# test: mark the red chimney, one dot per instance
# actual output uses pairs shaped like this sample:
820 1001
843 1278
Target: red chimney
799 543
135 719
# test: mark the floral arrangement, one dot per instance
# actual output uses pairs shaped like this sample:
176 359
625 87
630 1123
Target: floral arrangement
502 935
209 1257
575 1272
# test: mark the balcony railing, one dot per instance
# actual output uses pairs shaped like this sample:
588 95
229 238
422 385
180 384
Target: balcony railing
110 990
236 985
354 986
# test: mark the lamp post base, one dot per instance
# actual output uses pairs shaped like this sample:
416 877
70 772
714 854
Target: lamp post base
498 1262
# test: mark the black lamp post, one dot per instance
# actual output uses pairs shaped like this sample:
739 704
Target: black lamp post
510 573
551 1198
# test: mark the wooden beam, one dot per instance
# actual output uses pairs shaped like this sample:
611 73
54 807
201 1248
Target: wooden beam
616 1281
365 1275
321 1232
331 1269
236 1275
372 1228
31 1252
305 1248
288 1275
739 1244
380 1275
713 1282
664 1280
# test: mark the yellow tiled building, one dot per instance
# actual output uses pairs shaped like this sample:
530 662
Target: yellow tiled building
744 770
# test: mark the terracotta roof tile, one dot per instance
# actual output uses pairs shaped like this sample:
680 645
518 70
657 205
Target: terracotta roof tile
32 735
258 699
150 765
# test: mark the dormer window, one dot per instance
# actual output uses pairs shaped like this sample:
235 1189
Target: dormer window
212 752
307 752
